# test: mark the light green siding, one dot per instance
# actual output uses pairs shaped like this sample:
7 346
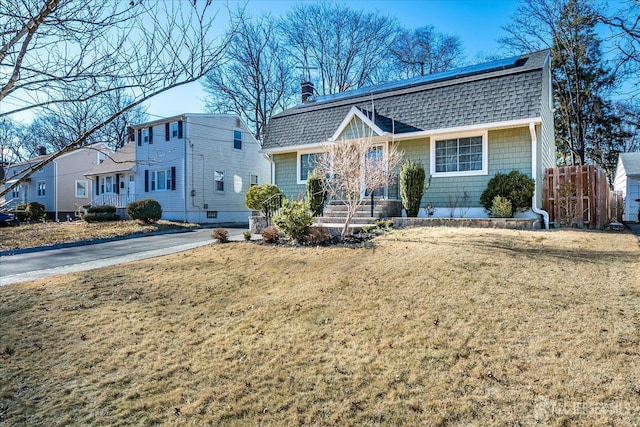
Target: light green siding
508 149
356 129
286 176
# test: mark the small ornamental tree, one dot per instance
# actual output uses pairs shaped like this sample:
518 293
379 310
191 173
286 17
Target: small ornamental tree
515 187
258 194
145 210
412 188
316 193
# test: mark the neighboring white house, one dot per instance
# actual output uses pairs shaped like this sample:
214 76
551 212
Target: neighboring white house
197 166
627 181
59 185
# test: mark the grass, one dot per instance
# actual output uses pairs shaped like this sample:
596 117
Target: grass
434 326
52 233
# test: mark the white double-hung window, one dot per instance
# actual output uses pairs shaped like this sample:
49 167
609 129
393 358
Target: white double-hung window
459 155
161 180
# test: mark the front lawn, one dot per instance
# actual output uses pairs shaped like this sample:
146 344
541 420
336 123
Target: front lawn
432 326
52 233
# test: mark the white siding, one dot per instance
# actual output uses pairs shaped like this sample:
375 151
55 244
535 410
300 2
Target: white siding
207 146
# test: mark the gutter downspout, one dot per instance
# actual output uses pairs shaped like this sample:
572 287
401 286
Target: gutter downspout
185 163
55 196
534 168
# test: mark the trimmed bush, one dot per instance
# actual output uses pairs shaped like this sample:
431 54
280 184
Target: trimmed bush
247 235
220 234
412 177
145 210
270 234
21 212
318 236
515 186
101 217
316 193
36 211
501 207
258 194
294 220
102 209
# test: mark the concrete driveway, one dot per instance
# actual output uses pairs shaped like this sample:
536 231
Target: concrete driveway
37 265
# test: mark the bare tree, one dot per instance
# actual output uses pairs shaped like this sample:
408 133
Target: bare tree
68 51
256 80
625 26
425 51
9 142
356 168
345 46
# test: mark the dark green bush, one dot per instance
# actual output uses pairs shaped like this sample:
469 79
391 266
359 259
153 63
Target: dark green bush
101 217
412 177
145 210
258 194
36 211
270 235
102 209
515 187
220 234
316 193
294 220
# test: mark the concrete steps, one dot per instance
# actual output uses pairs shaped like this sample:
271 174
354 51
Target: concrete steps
335 213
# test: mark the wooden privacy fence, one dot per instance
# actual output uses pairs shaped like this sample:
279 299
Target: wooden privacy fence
578 196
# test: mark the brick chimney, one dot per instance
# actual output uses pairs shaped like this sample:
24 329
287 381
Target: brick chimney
307 91
42 151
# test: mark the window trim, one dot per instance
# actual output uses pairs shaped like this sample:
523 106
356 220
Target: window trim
215 181
299 155
251 184
41 192
86 188
153 180
237 139
485 153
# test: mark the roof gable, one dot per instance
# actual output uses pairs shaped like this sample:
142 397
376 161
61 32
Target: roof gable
356 124
631 163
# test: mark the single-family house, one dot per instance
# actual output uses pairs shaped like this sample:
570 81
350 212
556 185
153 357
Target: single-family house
627 182
60 185
197 166
463 125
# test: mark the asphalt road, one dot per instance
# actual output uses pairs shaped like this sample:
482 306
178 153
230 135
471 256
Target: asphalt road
36 265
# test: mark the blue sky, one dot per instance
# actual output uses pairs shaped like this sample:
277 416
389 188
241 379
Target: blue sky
476 22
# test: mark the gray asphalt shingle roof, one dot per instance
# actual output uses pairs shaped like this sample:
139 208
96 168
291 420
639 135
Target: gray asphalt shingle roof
631 162
473 95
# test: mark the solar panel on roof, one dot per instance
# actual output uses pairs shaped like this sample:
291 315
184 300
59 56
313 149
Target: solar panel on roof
501 64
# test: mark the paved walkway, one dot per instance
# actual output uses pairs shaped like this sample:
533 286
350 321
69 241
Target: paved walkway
40 264
634 227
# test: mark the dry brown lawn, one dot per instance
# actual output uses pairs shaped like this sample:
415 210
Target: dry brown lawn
433 326
53 233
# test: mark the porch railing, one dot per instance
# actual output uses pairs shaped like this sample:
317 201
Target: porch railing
117 200
272 205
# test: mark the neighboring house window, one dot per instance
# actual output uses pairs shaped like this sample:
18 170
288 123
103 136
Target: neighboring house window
174 130
15 194
42 185
306 165
237 140
218 178
108 184
101 157
253 181
81 189
161 180
145 135
459 155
